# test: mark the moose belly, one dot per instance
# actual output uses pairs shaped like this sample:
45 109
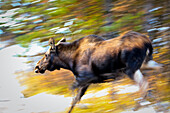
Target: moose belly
107 66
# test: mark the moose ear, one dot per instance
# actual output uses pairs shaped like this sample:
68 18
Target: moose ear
52 43
62 40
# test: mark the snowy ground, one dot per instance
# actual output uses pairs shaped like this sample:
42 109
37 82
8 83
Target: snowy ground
11 100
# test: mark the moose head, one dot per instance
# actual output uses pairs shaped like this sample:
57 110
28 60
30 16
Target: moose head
50 61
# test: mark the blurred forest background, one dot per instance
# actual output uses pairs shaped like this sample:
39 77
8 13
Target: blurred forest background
27 25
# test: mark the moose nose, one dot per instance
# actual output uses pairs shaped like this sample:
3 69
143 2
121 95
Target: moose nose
36 71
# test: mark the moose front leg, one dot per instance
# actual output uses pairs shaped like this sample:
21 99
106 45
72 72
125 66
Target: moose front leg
84 77
81 91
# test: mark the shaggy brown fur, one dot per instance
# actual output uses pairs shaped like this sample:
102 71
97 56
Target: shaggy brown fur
92 57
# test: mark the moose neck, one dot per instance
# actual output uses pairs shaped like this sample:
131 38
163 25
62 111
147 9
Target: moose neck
66 55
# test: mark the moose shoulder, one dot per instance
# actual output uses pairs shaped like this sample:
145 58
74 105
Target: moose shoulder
91 57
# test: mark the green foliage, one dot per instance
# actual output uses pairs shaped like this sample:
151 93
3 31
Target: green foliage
24 40
132 20
88 17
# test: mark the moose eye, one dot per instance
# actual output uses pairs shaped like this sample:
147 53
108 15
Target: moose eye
46 55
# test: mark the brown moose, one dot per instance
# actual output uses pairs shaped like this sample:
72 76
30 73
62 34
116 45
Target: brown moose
91 58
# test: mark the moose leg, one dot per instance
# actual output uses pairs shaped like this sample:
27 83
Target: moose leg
84 77
138 77
81 91
142 82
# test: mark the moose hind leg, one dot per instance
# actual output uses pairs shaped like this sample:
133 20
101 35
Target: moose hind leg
81 91
138 77
141 81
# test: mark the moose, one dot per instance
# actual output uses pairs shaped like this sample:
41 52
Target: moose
93 59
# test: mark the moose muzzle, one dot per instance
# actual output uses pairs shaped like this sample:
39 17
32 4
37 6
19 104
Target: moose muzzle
37 69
